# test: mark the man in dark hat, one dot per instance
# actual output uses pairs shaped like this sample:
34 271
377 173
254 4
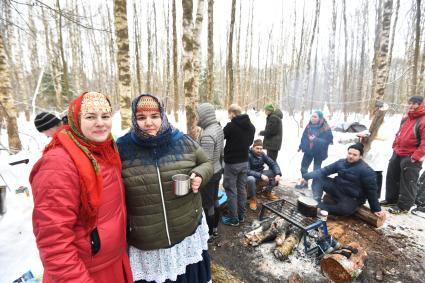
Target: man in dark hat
354 183
406 161
256 172
273 131
47 123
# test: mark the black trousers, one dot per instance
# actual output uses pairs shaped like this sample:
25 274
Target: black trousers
210 203
272 154
343 205
401 183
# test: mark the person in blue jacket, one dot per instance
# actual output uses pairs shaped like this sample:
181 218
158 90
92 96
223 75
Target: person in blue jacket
354 183
257 158
315 141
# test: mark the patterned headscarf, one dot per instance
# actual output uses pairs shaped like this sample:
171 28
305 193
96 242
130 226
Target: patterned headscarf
164 130
87 154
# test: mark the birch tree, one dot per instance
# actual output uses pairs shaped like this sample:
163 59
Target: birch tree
416 51
175 75
381 74
7 106
229 64
123 61
188 80
210 63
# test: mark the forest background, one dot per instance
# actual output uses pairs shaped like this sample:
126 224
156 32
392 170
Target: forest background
364 57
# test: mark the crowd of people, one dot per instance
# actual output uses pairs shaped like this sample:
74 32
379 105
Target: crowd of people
107 211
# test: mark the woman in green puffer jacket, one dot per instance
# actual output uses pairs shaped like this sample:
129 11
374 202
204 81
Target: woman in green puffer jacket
167 233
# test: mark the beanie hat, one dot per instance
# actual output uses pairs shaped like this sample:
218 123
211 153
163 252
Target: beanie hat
258 142
358 146
319 113
417 99
269 107
95 102
45 121
148 104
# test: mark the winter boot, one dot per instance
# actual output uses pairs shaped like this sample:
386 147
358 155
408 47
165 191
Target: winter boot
270 196
253 203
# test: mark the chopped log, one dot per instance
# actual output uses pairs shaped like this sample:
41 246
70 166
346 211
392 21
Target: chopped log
339 268
266 232
282 252
369 217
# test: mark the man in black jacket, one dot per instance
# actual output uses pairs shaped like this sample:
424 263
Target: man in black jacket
256 172
239 134
355 183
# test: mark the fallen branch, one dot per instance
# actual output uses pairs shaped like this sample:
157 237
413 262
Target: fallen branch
283 251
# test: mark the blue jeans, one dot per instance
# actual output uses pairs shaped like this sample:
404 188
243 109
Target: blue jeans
251 183
234 183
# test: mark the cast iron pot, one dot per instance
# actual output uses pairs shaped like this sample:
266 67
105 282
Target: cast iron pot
307 206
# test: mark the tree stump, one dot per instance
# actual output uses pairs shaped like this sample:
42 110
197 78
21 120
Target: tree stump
339 268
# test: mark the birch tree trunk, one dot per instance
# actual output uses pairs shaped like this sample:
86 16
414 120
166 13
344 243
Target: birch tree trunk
382 74
360 82
7 106
229 65
378 29
123 61
175 75
331 63
188 80
210 63
238 71
65 79
414 82
308 64
150 60
345 81
137 43
197 50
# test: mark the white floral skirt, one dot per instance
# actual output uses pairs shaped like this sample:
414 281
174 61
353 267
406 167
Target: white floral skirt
162 264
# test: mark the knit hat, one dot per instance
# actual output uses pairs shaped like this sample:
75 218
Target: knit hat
95 102
147 104
417 99
269 107
45 121
319 113
257 142
358 146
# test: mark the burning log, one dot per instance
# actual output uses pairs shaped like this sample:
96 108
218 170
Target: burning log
280 239
266 232
345 266
369 217
283 251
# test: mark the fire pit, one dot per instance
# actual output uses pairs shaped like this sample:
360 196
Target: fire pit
288 211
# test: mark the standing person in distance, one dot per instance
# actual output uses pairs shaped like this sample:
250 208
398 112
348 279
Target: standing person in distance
314 144
273 131
211 140
239 135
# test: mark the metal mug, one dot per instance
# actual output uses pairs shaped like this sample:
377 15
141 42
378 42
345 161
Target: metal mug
181 184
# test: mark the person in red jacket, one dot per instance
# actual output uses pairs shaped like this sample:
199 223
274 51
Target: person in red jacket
79 216
406 161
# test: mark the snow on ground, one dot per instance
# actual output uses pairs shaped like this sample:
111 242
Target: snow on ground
18 252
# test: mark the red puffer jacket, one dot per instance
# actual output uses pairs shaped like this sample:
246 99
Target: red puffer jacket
62 239
405 143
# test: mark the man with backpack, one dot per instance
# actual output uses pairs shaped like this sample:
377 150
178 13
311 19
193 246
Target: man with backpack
406 161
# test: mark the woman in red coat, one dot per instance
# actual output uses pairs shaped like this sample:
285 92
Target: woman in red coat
79 216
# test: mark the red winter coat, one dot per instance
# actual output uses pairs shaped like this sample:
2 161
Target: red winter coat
405 143
62 239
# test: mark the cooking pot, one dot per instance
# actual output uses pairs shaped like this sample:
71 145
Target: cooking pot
307 206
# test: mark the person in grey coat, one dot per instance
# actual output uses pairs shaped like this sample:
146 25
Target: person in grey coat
273 131
211 140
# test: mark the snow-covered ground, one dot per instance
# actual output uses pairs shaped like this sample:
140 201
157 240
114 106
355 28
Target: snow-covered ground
18 252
